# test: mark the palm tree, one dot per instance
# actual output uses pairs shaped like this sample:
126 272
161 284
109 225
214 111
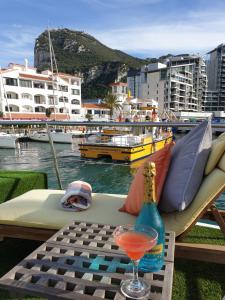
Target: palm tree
110 101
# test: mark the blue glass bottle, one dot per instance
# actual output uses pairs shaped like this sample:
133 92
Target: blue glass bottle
153 260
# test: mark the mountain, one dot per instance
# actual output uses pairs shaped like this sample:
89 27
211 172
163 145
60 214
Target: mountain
79 52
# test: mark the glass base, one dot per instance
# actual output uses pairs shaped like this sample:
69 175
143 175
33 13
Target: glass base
136 289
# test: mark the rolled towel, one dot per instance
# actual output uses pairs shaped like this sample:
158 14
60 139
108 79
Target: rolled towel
77 197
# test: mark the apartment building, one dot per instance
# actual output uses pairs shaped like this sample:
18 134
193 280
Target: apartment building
179 84
186 83
215 98
26 94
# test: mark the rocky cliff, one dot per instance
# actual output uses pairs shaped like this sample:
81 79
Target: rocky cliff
76 51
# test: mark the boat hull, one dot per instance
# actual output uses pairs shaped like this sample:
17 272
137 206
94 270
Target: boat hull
63 138
8 141
122 153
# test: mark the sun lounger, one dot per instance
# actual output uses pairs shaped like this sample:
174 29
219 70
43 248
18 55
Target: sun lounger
37 213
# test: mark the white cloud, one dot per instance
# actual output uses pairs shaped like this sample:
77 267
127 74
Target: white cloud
198 32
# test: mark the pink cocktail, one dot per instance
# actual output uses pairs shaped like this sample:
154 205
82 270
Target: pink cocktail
135 240
135 244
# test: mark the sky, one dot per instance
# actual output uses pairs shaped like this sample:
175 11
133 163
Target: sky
142 28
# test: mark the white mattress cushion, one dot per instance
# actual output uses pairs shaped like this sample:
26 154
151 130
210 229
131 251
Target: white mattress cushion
41 209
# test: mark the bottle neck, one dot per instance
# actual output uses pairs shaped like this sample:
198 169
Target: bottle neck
149 183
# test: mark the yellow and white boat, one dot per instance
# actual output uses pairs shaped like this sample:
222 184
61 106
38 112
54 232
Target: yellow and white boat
125 148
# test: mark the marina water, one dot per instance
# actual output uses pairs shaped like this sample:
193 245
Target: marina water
104 176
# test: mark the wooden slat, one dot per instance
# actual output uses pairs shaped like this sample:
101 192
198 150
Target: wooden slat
76 264
201 252
30 233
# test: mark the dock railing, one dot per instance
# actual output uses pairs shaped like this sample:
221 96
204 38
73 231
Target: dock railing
108 124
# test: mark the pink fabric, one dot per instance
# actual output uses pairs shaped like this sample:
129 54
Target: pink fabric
134 200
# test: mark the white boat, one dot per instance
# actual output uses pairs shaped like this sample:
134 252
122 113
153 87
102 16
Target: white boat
58 136
8 140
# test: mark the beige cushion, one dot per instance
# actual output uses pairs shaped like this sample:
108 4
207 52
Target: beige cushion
221 164
40 209
222 135
217 150
211 185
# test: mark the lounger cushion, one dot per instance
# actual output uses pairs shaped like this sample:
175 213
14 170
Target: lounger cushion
209 189
217 150
41 209
221 164
135 197
189 157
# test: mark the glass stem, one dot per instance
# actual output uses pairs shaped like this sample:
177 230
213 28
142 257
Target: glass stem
135 271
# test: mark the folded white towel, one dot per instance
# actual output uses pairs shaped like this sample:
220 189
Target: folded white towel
77 197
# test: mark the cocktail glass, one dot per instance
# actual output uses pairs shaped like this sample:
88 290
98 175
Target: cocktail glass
135 240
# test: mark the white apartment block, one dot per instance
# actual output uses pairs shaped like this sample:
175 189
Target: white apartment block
215 100
27 94
178 85
186 83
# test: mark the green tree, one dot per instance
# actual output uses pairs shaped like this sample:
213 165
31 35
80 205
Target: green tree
89 117
1 114
111 101
48 112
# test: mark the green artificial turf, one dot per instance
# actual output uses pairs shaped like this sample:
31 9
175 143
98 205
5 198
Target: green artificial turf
193 280
205 235
15 183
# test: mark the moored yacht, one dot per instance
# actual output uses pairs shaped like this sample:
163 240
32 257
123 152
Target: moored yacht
58 136
8 140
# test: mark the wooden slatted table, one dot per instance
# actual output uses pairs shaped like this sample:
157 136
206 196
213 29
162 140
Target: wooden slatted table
81 261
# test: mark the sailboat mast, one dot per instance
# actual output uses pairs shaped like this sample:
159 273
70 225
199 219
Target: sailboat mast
5 97
57 73
52 70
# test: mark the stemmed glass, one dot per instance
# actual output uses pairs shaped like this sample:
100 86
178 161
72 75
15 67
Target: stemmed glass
135 240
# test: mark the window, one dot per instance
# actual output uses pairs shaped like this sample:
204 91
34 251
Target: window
51 100
163 74
38 99
63 99
50 87
75 101
89 111
75 92
26 96
75 111
61 110
75 82
63 88
11 81
39 109
12 96
39 85
97 112
25 83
